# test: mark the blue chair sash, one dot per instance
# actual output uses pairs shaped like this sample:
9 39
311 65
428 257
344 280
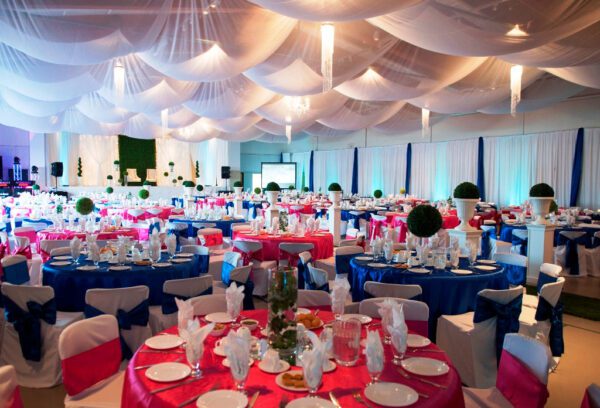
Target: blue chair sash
154 226
178 234
545 311
168 300
251 210
28 326
226 269
203 263
515 274
342 265
518 241
304 277
507 317
17 274
544 278
138 316
572 260
486 246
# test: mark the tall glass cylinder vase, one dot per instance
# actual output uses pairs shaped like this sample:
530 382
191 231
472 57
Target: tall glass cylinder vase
283 297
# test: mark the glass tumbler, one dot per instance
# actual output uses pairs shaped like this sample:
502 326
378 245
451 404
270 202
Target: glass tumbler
346 341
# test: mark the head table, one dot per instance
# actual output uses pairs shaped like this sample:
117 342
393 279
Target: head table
343 381
70 284
443 291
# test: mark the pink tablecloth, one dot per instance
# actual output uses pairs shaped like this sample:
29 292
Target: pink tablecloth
124 212
306 208
323 243
399 221
343 381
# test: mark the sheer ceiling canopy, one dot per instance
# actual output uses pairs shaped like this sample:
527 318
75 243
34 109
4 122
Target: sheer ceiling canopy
235 69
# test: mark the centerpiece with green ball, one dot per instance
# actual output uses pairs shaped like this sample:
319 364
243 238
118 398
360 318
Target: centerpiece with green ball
84 206
466 197
540 197
143 194
283 298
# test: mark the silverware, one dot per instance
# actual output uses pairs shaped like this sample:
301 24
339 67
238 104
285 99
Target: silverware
161 351
253 399
417 350
360 399
189 401
150 365
411 377
170 387
334 400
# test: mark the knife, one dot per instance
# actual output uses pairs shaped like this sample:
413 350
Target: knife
334 400
169 387
253 399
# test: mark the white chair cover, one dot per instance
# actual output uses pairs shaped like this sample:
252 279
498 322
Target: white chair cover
319 276
46 372
240 227
60 251
195 249
548 269
413 309
85 335
111 300
313 298
294 248
378 289
260 269
204 305
8 387
471 346
560 252
47 245
589 259
540 330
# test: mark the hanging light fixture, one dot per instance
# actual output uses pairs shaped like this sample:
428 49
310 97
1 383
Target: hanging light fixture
119 78
516 32
327 46
288 128
424 122
164 121
297 105
516 73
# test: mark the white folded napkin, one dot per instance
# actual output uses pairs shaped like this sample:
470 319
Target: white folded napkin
339 294
234 296
270 360
385 311
237 350
171 242
93 252
185 314
312 362
326 338
374 352
194 336
398 329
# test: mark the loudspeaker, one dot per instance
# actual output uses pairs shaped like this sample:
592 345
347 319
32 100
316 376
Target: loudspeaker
225 174
56 169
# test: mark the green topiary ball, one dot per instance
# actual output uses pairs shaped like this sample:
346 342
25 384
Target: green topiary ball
334 187
424 221
189 183
35 187
541 190
199 187
305 189
272 186
109 190
143 194
291 187
238 184
257 190
466 190
166 174
84 206
377 193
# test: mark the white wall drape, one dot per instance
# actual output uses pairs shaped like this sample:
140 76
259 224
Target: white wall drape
460 165
211 155
97 156
171 150
333 166
302 161
381 168
423 168
589 190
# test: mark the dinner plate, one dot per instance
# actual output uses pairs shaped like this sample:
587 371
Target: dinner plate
182 260
486 267
162 264
167 372
164 342
119 268
391 394
283 366
222 399
62 257
264 332
60 263
327 368
425 366
461 271
419 270
487 261
225 362
184 255
218 317
363 258
414 340
364 319
377 265
279 382
310 402
87 268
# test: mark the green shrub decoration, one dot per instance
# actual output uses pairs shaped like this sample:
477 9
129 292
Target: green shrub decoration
541 190
79 167
257 190
334 187
174 181
143 194
166 174
466 190
171 164
238 184
197 170
179 178
109 190
402 191
109 177
189 183
84 206
272 186
305 189
377 193
553 207
424 221
35 187
199 187
291 187
116 163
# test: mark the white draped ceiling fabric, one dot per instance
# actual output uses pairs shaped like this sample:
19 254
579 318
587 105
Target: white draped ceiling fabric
222 67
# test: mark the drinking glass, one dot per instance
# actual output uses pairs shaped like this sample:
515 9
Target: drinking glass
75 252
385 322
375 374
337 308
398 353
313 381
346 341
240 374
194 355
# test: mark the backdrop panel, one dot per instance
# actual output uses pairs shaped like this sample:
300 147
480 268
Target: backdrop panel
137 154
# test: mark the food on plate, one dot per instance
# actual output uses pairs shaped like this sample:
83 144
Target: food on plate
250 323
293 380
106 249
143 263
309 320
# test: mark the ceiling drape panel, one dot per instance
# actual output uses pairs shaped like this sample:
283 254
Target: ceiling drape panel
225 69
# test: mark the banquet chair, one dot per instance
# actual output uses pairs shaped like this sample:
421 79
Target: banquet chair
519 242
416 313
130 306
522 377
357 221
47 245
15 270
164 316
132 176
313 298
260 269
5 241
232 272
239 227
591 398
151 175
206 304
27 232
376 226
135 214
589 258
201 225
36 367
548 273
471 339
10 396
378 289
567 253
194 249
515 267
90 354
211 238
154 211
292 250
318 279
60 251
488 231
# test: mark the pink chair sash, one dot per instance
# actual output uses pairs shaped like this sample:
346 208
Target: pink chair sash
212 239
376 228
419 326
4 250
25 251
518 384
83 370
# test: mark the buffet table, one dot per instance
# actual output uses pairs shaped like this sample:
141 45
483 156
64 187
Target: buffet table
322 241
343 381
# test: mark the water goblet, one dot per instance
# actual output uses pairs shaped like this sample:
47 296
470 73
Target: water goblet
398 351
193 356
313 381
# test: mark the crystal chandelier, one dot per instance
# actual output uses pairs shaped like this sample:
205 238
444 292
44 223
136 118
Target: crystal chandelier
119 78
516 73
297 105
327 46
425 122
164 121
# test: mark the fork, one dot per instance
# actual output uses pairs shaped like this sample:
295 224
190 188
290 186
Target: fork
410 377
150 365
360 399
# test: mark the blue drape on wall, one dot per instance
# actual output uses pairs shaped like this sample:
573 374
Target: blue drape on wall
281 158
577 168
311 178
408 164
355 172
480 171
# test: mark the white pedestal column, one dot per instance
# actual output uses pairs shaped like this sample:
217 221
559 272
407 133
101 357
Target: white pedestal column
540 248
335 223
237 205
466 236
270 213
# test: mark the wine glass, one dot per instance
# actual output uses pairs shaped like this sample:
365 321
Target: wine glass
398 350
374 373
193 356
313 381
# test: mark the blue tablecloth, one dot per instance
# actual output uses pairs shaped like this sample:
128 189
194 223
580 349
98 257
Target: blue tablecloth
224 226
507 229
444 292
71 284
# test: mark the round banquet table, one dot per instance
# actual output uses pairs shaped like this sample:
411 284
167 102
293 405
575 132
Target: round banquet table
444 292
124 212
223 225
70 284
323 244
61 235
306 208
343 381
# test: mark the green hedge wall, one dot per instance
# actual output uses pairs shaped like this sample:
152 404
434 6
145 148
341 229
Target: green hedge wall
139 154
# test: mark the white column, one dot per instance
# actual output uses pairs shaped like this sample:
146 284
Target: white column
237 205
335 220
463 237
540 248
